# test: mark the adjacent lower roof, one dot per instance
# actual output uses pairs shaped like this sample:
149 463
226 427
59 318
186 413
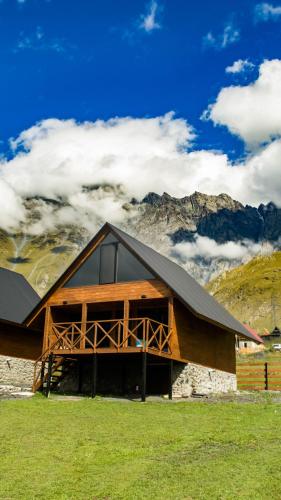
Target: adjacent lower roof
17 297
255 334
188 291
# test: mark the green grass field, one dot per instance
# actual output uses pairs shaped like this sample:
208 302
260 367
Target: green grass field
96 449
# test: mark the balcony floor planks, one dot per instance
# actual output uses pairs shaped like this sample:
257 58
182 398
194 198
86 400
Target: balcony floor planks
110 350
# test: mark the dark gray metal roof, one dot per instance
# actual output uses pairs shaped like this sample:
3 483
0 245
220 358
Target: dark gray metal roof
193 295
17 297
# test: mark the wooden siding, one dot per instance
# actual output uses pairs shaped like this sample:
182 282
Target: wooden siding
134 290
19 342
202 342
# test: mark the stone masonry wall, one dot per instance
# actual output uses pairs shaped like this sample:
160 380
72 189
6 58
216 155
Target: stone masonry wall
187 379
16 372
191 378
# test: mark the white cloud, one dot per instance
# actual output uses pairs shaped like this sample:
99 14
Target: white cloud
12 211
148 21
266 12
209 249
229 36
38 41
95 168
239 66
252 112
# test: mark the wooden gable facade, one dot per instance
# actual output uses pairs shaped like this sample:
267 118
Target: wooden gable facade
113 304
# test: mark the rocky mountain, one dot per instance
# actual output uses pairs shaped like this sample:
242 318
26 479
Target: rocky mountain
217 217
226 230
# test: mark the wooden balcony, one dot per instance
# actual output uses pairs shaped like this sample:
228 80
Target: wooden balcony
132 335
109 336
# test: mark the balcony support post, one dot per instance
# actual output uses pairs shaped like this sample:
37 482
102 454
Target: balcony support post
144 370
171 365
94 376
49 377
80 375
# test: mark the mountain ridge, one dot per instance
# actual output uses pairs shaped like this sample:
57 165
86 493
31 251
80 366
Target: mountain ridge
161 221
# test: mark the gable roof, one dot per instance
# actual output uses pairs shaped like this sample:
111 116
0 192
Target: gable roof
17 297
193 295
186 289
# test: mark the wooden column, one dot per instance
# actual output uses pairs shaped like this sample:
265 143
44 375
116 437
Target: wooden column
47 329
144 370
83 325
126 321
80 374
42 373
50 365
94 376
171 312
171 365
173 342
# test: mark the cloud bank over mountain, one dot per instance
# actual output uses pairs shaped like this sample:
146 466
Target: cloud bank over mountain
95 168
208 249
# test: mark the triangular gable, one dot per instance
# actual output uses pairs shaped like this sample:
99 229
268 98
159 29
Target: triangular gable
110 262
80 263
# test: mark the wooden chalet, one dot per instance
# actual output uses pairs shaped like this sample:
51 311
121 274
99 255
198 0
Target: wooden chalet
118 321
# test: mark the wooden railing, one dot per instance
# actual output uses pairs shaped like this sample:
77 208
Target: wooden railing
259 375
115 335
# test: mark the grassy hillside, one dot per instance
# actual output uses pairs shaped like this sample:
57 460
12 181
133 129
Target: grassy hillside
41 259
252 292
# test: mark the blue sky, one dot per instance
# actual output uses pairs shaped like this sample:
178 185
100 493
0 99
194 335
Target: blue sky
94 59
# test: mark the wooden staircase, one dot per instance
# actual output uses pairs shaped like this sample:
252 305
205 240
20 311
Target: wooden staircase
61 366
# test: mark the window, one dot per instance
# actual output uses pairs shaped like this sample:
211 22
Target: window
108 263
129 267
88 273
111 262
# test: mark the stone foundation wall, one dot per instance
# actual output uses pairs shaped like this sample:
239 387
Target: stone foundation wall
16 372
187 379
191 378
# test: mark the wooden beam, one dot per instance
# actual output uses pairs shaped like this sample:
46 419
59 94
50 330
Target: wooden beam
84 325
126 321
134 290
48 320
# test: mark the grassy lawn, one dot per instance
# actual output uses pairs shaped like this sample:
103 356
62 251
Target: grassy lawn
98 449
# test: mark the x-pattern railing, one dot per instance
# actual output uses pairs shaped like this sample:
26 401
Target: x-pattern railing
144 333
